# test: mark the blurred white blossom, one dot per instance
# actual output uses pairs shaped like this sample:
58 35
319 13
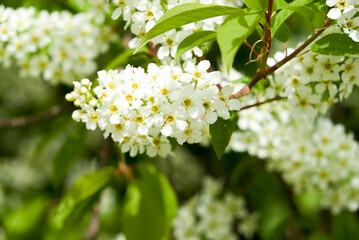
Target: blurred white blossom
54 46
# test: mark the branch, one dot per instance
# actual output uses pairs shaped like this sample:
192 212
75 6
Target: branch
267 38
26 121
262 74
300 48
94 224
261 103
104 155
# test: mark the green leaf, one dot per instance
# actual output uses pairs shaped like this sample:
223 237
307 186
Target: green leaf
321 5
233 32
261 4
283 33
281 4
318 15
281 17
304 11
150 206
84 188
122 59
300 2
75 5
274 220
68 153
336 44
308 203
287 11
164 4
184 14
221 132
25 218
194 40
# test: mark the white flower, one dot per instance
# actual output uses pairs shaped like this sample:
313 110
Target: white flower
140 109
208 216
322 158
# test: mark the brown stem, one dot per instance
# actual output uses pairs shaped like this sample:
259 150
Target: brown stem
104 154
94 224
267 39
260 75
260 103
26 121
300 48
247 89
123 168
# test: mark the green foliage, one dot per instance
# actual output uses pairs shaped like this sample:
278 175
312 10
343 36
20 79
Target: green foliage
308 203
336 44
150 205
261 4
68 153
221 132
164 4
321 5
298 6
280 4
22 220
345 226
304 11
273 203
194 40
82 191
146 209
279 19
122 59
318 236
283 33
274 219
184 14
233 32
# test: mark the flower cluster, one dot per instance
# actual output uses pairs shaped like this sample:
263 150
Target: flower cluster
207 216
141 110
142 15
314 82
346 12
319 156
51 45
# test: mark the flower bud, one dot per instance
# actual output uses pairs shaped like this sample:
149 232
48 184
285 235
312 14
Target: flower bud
83 90
93 103
76 115
77 103
69 97
85 82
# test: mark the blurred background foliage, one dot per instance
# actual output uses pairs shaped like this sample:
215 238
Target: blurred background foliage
39 163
